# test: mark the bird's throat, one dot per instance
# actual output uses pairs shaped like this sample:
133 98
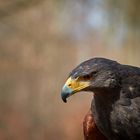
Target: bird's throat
101 107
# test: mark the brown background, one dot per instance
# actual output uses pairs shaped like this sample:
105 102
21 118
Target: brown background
41 41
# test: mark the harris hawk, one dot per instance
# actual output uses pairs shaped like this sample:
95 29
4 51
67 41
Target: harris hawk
115 109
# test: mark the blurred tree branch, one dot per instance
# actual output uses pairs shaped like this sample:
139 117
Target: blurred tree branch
128 8
7 8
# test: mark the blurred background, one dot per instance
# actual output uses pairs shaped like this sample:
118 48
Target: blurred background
41 41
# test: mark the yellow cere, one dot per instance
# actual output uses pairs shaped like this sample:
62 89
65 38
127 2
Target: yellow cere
76 84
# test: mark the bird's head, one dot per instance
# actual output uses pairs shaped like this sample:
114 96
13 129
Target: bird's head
91 75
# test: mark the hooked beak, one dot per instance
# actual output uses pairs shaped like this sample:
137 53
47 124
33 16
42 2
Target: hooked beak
73 86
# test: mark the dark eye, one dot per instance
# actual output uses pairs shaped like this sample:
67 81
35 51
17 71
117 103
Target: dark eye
87 77
94 73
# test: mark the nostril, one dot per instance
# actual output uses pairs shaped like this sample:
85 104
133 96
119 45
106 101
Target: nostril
69 85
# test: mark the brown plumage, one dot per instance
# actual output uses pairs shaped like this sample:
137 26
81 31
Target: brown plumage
91 132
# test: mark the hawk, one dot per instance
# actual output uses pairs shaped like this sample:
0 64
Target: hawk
115 109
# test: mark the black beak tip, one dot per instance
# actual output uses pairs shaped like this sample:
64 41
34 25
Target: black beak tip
64 97
64 100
